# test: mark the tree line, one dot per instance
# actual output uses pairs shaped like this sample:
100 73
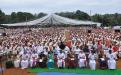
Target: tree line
15 17
106 19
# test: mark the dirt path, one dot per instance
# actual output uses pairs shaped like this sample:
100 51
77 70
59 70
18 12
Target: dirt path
14 71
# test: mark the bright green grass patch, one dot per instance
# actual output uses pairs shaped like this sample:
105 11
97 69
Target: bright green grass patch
78 71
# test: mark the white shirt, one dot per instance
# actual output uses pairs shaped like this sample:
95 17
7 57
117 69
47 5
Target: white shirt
77 50
81 56
61 56
111 56
92 56
66 50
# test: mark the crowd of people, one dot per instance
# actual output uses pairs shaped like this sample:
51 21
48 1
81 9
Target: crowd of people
70 47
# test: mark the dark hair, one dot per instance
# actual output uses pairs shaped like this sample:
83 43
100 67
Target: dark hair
110 51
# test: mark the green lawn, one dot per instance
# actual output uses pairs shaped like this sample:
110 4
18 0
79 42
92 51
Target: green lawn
78 71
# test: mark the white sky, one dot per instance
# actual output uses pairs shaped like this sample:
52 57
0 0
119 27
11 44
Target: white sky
52 6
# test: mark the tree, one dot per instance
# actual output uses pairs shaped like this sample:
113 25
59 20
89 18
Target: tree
24 16
28 16
97 18
75 15
2 17
41 14
82 15
14 17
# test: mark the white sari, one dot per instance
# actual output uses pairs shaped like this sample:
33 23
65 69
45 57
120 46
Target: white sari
111 61
82 60
61 60
92 62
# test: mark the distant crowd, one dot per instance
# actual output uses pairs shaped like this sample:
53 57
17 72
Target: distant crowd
69 47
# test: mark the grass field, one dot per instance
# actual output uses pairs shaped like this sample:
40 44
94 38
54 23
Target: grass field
78 71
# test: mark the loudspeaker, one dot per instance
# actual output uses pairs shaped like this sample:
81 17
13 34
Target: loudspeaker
117 31
89 31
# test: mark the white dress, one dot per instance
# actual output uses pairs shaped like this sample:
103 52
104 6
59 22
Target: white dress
61 60
33 59
17 63
24 61
24 64
82 60
66 50
92 62
111 61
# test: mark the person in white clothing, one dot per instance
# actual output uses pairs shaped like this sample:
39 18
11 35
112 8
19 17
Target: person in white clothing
24 61
111 60
92 60
17 62
61 59
66 51
33 59
82 59
76 51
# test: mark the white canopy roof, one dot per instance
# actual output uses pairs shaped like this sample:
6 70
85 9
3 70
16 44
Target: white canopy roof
53 19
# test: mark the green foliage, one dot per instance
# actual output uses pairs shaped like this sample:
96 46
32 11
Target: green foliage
75 15
2 17
23 16
106 19
15 17
41 14
77 71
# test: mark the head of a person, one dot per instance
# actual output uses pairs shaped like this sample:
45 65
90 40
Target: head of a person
92 51
110 51
77 47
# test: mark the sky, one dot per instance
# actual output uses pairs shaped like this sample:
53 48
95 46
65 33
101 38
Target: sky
52 6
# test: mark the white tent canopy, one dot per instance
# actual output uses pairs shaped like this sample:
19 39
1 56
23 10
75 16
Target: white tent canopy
53 19
117 27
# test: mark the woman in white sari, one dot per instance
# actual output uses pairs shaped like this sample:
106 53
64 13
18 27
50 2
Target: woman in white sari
111 60
17 62
61 59
92 60
82 59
